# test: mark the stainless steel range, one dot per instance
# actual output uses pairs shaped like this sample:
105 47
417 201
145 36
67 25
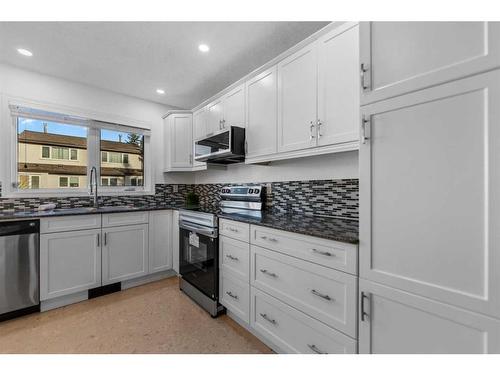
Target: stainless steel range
199 243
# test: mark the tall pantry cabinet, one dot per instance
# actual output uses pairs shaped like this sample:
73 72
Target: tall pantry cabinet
429 187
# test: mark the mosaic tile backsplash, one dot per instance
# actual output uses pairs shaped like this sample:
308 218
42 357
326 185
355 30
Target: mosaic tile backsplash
337 198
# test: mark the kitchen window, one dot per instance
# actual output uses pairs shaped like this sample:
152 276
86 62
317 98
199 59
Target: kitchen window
55 152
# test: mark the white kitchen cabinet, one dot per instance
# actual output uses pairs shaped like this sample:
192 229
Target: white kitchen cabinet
297 100
215 116
397 322
69 223
70 262
124 253
179 142
235 296
338 87
125 218
262 113
200 119
400 57
160 240
429 193
234 108
234 258
175 240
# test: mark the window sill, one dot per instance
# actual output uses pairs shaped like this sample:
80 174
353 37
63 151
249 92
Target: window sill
68 194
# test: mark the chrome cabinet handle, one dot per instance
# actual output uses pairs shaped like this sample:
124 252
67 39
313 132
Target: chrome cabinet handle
272 321
364 70
234 296
98 240
272 274
223 124
318 125
315 349
269 238
311 136
233 229
327 253
365 123
105 238
231 257
363 314
220 124
324 296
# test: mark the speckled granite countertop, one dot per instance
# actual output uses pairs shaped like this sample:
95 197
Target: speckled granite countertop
338 229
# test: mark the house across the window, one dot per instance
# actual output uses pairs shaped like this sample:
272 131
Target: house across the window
55 155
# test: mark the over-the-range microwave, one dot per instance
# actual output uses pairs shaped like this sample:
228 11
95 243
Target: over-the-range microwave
226 146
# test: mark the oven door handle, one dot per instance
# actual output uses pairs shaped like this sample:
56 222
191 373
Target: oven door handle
199 229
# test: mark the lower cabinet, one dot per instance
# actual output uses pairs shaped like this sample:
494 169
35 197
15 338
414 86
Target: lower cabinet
175 241
293 331
395 322
70 262
124 253
160 240
234 294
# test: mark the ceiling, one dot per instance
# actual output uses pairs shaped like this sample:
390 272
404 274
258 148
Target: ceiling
136 58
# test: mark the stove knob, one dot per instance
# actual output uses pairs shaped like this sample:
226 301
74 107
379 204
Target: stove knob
256 191
250 191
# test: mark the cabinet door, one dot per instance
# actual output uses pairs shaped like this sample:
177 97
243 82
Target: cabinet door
181 140
262 113
297 100
70 262
338 86
215 116
430 190
175 240
160 241
200 123
234 108
124 253
400 57
396 322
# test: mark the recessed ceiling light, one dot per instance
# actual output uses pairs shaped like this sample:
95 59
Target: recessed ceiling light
160 91
25 52
204 48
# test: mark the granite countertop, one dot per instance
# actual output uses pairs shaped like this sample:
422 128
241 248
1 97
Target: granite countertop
338 229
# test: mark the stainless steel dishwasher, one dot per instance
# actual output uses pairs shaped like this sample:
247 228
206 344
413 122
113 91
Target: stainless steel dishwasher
19 268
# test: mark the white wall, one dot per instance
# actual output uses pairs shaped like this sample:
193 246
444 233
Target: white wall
34 87
333 166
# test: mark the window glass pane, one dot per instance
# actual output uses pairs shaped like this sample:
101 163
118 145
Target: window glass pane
104 181
63 181
125 157
43 152
74 182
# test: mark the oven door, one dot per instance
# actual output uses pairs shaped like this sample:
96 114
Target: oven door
199 261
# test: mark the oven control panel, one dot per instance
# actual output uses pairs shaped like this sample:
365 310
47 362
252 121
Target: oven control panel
253 191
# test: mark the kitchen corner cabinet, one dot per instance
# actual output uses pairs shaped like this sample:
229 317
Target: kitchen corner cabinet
262 113
396 322
429 225
160 240
179 141
70 262
401 57
124 253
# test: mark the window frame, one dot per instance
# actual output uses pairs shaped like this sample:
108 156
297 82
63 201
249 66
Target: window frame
10 189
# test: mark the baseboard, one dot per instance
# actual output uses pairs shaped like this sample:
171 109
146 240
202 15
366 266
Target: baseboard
57 302
127 284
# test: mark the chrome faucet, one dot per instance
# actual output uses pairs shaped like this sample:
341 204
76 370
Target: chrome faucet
93 187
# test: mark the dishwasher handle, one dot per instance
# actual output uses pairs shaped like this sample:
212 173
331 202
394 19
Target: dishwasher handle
14 228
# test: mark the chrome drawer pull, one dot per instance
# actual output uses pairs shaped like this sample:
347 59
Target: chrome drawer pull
315 349
327 253
272 274
232 295
269 239
325 296
233 230
231 257
272 321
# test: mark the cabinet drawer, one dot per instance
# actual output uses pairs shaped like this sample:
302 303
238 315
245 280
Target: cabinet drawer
293 331
323 293
124 218
235 296
333 254
235 257
234 229
69 223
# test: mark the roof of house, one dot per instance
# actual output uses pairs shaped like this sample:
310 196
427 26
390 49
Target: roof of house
49 139
75 170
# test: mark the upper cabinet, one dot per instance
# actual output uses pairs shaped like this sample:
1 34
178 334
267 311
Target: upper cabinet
200 123
262 113
215 116
297 100
400 57
234 108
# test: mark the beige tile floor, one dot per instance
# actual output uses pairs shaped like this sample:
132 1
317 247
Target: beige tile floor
153 318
